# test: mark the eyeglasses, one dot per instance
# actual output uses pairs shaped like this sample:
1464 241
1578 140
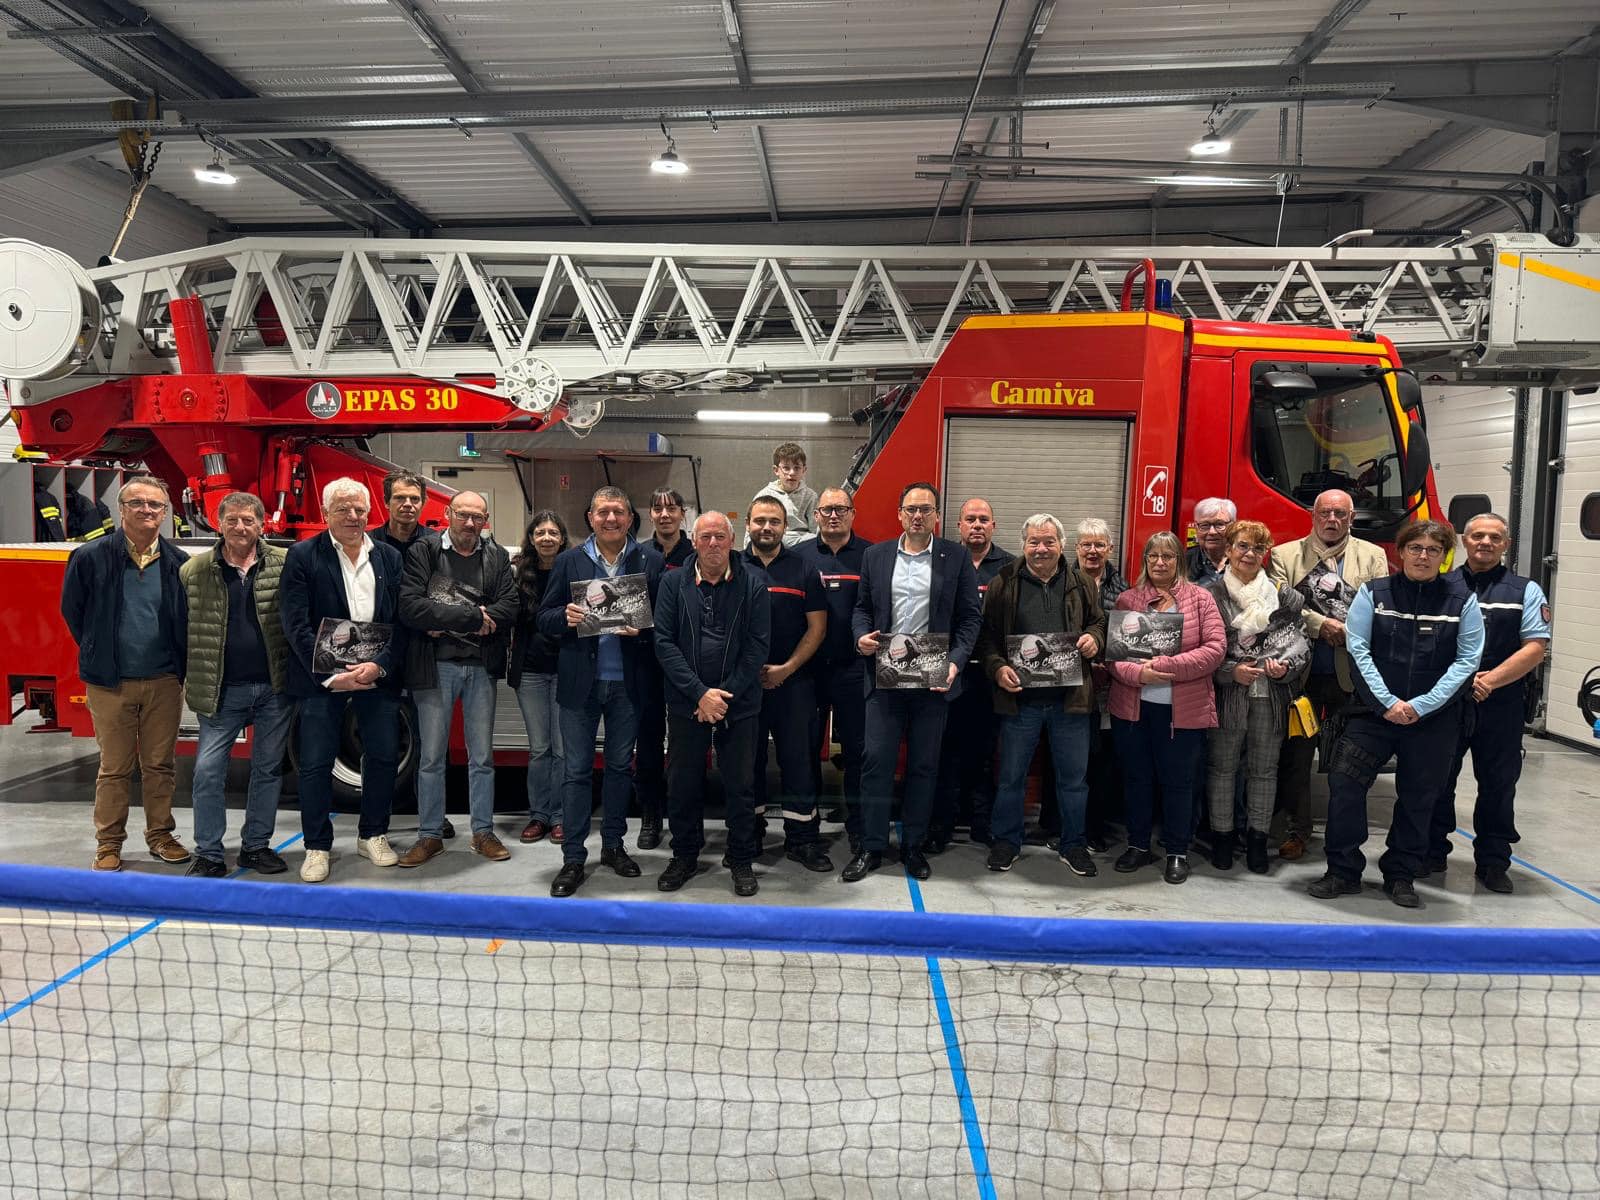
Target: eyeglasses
837 510
917 510
1161 558
1212 525
1087 545
471 518
1255 548
145 505
1421 550
1332 514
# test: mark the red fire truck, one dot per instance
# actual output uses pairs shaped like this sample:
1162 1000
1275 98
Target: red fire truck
1128 415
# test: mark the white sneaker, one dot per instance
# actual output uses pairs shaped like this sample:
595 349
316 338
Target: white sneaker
315 867
378 850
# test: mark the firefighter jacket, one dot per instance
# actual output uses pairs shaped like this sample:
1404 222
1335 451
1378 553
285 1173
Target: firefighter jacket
47 526
207 592
1081 613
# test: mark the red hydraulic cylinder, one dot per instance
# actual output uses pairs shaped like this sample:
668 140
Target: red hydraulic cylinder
191 336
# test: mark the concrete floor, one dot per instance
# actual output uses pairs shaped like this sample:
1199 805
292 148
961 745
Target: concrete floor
203 1060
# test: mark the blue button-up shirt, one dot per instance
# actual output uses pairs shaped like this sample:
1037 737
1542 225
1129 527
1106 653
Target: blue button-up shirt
912 588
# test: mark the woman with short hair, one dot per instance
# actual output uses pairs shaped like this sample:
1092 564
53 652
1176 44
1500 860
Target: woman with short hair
1260 675
1162 705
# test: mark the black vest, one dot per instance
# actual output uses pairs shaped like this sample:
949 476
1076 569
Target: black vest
1414 631
1500 595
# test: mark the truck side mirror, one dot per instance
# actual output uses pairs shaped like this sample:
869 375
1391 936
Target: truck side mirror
1414 471
1409 391
1285 385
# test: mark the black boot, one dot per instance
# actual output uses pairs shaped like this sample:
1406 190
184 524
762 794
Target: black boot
650 828
1255 851
1222 849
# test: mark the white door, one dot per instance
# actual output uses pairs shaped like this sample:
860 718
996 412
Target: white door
1070 467
1575 595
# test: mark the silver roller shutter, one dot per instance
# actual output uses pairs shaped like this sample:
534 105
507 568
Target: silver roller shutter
1071 467
1575 591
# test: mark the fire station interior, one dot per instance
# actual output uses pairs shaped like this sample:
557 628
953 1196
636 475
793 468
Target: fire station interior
650 241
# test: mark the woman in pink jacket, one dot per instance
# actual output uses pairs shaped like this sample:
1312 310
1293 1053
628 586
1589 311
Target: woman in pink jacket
1161 706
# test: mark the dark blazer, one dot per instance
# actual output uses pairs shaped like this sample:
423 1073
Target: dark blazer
91 602
312 587
952 608
422 614
577 658
678 640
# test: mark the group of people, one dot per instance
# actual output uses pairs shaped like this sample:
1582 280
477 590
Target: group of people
1209 732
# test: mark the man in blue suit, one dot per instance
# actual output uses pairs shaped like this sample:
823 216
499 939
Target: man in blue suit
917 584
346 576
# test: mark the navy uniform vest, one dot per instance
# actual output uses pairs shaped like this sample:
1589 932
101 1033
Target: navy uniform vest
1415 627
1500 596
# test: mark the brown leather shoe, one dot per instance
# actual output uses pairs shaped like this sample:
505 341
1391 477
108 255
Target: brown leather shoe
1293 848
490 847
108 858
421 851
170 850
534 831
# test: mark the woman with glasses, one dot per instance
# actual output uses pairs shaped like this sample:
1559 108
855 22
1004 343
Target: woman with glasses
1416 639
1261 673
531 672
1161 706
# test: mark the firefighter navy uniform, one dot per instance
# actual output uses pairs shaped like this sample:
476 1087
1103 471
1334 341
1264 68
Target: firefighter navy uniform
795 591
840 676
47 525
1515 612
1415 642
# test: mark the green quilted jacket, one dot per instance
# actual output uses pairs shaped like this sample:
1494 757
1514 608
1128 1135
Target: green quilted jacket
208 622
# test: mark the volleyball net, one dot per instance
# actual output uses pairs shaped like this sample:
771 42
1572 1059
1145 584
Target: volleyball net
172 1037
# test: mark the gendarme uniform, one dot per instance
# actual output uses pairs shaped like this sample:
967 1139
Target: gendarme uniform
1515 611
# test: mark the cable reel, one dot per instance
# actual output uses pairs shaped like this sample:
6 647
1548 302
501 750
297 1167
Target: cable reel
584 413
49 312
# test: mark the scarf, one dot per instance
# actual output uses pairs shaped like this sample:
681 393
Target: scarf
1257 600
1313 551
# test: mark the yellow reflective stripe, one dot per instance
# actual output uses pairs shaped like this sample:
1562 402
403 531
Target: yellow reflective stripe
34 555
1561 274
91 535
1059 320
1309 345
49 511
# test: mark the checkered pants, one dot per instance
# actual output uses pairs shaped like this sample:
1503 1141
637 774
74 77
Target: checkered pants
1260 739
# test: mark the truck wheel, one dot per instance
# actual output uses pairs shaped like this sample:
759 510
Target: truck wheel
347 763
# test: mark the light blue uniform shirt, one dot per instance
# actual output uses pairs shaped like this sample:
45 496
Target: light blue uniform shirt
1469 652
911 589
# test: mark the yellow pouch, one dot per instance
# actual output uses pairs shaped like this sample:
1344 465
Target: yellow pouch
1303 721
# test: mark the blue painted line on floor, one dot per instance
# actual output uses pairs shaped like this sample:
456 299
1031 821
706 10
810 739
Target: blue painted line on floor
1540 871
976 1149
122 943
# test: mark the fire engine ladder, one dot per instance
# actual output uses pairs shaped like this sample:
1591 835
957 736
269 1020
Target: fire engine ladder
628 319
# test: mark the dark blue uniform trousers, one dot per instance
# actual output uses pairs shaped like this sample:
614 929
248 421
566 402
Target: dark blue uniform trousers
917 718
841 694
1495 740
786 713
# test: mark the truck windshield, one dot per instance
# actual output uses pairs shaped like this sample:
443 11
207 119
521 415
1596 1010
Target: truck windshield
1344 439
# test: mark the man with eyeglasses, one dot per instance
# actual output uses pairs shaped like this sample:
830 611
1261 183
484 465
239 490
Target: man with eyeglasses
603 678
125 606
459 598
836 555
917 584
1205 559
649 759
1327 567
1416 638
966 787
1516 622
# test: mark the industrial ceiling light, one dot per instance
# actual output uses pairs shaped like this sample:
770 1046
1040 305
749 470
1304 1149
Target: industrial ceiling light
762 416
1211 144
669 163
216 172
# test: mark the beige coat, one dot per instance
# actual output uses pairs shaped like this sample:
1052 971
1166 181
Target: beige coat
1363 562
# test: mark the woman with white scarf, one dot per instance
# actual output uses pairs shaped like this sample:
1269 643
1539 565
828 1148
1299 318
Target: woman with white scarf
1261 673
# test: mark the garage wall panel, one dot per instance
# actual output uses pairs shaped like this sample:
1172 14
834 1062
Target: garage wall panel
1575 590
1472 433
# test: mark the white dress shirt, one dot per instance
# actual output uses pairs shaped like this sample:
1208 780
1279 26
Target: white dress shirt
360 580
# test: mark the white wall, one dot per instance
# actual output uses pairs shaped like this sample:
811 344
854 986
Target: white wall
1472 433
76 208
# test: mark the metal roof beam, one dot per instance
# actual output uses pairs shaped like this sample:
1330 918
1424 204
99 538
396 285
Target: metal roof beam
159 62
471 83
1514 85
1038 23
760 143
735 37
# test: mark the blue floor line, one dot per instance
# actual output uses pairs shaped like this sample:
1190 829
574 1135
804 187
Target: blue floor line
1540 871
976 1149
121 943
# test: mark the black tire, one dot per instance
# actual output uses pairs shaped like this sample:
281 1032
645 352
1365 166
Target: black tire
347 764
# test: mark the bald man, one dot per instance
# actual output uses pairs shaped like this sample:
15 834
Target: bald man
1327 567
459 595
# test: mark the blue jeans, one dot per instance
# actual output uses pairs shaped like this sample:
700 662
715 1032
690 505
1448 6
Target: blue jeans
1069 751
321 728
579 726
475 689
536 696
1153 751
270 714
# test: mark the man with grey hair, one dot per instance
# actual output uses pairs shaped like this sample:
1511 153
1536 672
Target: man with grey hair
460 600
1209 554
237 669
125 607
1041 593
344 576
